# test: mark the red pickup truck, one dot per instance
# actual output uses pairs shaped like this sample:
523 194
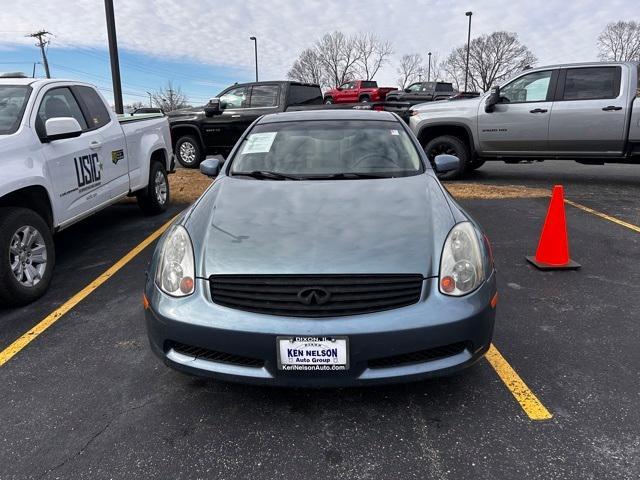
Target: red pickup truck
357 91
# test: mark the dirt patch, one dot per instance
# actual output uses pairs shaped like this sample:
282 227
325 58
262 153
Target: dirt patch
187 185
482 191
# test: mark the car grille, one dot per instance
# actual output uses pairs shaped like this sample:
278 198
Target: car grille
214 356
315 295
419 357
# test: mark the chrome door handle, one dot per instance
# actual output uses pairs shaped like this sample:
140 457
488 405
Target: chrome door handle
611 107
538 110
95 145
235 116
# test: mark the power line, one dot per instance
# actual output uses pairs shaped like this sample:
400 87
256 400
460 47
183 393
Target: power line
42 43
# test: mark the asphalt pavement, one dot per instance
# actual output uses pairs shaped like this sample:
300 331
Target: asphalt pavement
87 399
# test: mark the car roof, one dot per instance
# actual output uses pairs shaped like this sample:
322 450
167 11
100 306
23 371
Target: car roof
331 114
34 82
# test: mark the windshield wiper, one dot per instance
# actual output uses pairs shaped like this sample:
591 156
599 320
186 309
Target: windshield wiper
262 174
350 176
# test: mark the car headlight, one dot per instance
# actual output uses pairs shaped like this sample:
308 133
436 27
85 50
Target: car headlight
175 272
461 266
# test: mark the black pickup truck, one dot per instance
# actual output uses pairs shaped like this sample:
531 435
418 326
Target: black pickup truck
215 128
421 92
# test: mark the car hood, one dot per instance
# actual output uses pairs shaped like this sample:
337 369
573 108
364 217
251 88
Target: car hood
245 226
443 105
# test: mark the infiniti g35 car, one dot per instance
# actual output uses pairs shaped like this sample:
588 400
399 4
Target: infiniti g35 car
326 253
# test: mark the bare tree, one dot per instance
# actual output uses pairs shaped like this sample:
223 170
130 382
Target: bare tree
492 58
169 98
338 56
307 68
620 41
410 69
372 54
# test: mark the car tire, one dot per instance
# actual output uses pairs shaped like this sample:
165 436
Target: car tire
24 235
154 199
364 99
189 152
328 101
452 146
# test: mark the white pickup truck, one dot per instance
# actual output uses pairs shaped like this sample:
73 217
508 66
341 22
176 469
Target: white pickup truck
65 155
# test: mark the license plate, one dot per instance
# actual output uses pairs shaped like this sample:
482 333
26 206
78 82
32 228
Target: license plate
313 353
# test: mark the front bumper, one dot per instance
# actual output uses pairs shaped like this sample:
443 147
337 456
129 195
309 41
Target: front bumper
434 322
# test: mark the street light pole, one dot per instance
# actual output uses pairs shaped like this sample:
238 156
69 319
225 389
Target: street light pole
150 101
466 69
255 44
113 55
429 69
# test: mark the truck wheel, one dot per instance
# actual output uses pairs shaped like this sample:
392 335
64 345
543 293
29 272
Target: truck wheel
155 197
364 99
452 146
328 100
27 256
188 151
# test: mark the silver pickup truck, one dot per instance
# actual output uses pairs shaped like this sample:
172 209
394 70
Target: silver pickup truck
587 112
63 156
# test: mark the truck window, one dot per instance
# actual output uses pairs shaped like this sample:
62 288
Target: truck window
96 112
416 87
592 83
58 102
264 96
368 84
235 98
348 85
444 87
13 101
532 87
304 95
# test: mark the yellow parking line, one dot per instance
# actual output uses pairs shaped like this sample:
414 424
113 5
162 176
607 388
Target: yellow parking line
13 349
525 397
630 226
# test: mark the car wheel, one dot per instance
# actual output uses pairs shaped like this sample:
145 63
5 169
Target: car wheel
328 101
453 146
154 199
364 99
27 256
188 151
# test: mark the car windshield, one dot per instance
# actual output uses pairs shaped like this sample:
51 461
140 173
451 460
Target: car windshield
13 100
327 149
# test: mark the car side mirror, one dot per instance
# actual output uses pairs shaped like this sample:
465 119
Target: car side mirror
492 100
406 90
339 89
212 108
210 167
61 127
446 163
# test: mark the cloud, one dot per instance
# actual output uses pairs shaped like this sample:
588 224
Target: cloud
216 32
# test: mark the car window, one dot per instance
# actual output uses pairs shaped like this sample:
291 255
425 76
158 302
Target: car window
415 87
591 83
444 87
97 114
314 149
264 96
348 85
368 84
13 101
532 87
304 95
59 102
235 98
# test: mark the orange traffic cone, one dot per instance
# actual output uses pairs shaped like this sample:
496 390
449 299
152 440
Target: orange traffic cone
553 248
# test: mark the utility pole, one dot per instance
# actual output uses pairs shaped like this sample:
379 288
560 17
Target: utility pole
150 102
429 70
255 41
113 55
466 69
42 43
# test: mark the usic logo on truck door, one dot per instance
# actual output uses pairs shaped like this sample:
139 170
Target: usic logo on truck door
88 171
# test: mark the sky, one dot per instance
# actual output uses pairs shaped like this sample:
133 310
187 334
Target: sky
202 46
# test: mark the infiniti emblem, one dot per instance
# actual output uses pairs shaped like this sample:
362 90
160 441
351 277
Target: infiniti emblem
314 296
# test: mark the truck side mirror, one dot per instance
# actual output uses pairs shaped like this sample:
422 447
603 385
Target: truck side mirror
210 167
493 99
213 107
446 163
61 127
